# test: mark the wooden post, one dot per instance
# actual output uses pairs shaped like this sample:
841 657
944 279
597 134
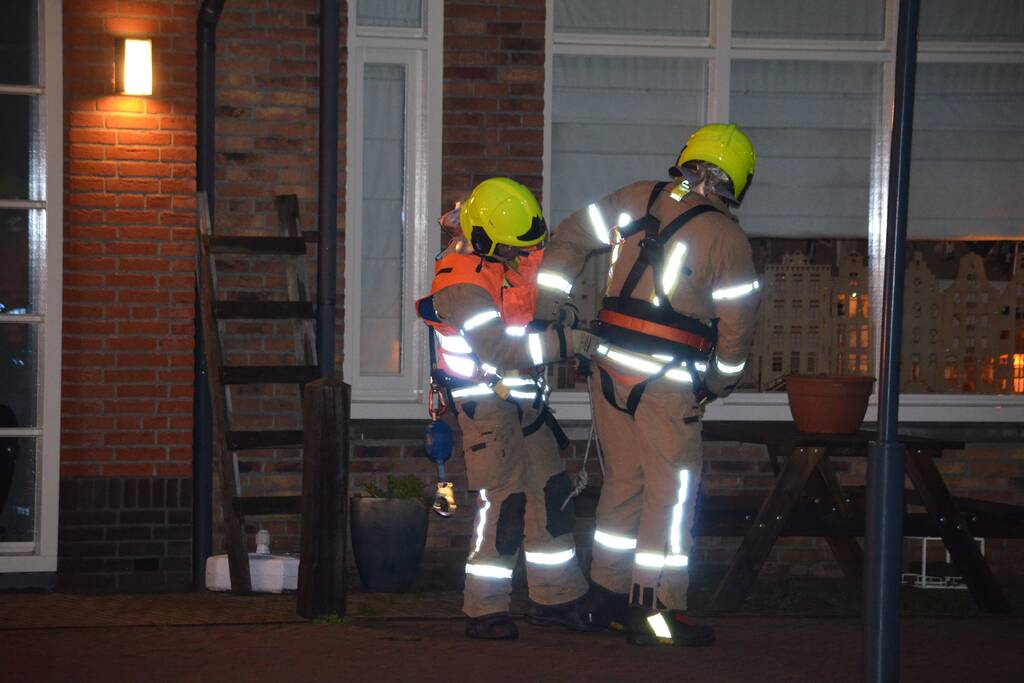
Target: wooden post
324 498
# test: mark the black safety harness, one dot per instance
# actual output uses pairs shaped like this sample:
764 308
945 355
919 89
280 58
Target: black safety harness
640 325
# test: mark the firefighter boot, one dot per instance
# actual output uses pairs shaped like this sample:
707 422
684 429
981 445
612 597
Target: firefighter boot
492 627
607 608
646 626
574 616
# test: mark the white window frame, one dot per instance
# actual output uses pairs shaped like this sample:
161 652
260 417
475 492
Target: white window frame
720 49
420 51
41 555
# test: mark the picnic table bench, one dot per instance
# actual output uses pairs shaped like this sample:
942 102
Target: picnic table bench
806 499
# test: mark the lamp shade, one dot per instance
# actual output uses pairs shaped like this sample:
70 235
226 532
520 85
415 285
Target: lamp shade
134 66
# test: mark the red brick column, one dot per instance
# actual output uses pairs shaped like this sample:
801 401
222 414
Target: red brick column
493 94
128 285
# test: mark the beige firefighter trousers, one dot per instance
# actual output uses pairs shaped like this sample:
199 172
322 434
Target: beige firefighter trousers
522 484
652 463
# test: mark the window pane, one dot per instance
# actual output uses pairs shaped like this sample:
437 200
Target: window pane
394 13
21 237
22 162
662 17
812 125
18 381
809 19
968 155
19 43
17 487
383 219
616 120
959 20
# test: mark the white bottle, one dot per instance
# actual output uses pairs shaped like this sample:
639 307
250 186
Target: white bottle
263 542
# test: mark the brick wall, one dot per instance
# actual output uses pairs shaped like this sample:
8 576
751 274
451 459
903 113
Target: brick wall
267 145
128 245
125 533
267 60
493 94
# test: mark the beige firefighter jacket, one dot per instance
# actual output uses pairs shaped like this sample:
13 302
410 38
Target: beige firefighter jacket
492 341
709 271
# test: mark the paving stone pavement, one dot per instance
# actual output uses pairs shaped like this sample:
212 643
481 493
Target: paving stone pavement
52 637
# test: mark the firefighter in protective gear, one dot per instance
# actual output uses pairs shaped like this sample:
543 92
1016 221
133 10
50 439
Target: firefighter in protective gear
678 322
490 362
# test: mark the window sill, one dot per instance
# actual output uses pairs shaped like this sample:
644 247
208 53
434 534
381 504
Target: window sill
575 406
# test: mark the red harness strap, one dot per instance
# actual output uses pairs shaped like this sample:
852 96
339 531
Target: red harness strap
628 322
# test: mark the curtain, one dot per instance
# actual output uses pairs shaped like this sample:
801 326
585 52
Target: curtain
971 20
968 151
812 125
809 19
383 219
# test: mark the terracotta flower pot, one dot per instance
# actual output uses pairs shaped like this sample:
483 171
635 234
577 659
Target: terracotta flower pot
828 404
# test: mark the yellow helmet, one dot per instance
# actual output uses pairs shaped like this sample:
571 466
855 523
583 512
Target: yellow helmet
725 146
501 211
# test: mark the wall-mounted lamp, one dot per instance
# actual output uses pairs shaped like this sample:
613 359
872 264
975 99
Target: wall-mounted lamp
133 68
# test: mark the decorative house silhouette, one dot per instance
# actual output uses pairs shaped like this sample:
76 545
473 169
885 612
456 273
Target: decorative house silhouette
964 336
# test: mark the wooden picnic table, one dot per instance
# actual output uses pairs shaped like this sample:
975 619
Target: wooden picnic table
807 500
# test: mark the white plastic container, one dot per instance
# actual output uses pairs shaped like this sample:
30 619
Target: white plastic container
268 573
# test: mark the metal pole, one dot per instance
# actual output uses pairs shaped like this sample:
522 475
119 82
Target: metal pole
886 467
327 208
202 434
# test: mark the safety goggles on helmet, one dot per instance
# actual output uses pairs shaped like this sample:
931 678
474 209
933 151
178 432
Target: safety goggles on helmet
501 211
710 177
728 148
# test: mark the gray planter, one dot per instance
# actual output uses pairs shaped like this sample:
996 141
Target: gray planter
388 538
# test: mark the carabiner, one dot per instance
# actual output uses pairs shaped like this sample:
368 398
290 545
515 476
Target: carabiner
436 405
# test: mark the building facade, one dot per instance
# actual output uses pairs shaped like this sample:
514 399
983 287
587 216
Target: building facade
572 98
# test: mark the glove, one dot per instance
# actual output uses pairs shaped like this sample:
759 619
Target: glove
584 343
703 396
568 315
555 307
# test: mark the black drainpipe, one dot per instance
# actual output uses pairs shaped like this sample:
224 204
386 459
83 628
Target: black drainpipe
883 541
327 207
202 435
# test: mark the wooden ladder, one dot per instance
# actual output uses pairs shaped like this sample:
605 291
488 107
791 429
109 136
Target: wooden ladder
227 442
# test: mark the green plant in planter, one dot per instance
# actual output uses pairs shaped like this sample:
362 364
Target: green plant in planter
406 487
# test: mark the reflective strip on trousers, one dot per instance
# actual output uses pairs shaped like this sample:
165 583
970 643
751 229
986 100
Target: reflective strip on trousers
675 558
488 571
614 541
560 557
483 521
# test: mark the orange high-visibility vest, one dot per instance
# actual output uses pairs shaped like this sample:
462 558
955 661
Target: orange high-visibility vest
514 293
